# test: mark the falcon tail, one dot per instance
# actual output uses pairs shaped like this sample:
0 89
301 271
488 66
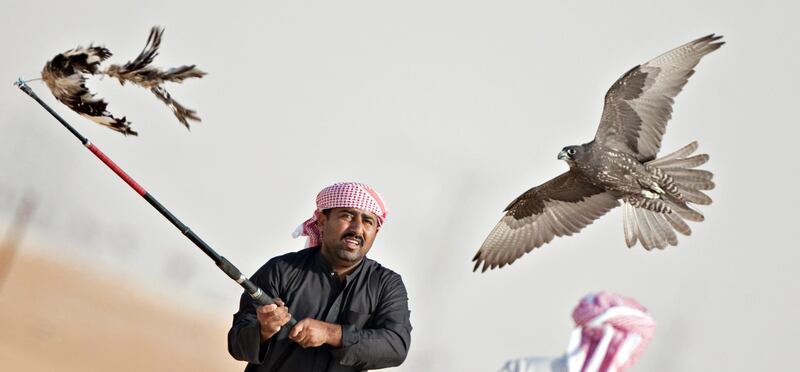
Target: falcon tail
657 230
141 73
182 113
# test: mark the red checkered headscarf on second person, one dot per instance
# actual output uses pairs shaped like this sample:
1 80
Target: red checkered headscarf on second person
342 195
612 332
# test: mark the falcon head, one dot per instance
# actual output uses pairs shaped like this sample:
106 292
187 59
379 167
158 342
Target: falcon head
571 153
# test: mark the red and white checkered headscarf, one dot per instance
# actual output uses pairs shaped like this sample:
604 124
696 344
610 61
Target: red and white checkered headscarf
342 195
612 332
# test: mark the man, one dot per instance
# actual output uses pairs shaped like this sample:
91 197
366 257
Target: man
611 332
353 313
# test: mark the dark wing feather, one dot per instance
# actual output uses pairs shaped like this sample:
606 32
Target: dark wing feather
639 104
562 206
139 72
65 76
147 55
181 112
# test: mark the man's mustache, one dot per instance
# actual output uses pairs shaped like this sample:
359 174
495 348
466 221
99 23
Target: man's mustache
354 236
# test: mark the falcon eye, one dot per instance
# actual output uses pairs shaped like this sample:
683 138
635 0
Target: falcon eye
570 151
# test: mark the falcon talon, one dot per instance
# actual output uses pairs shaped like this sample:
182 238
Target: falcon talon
620 163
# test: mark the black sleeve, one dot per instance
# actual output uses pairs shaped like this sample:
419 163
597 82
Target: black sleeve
244 337
386 343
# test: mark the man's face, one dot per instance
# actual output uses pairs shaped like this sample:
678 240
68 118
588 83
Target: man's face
347 235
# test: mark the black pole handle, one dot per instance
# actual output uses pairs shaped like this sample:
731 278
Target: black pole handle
258 295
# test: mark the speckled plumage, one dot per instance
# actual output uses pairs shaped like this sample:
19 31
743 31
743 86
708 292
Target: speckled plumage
618 164
67 72
65 75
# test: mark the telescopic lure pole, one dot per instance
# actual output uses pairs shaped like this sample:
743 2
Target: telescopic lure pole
253 290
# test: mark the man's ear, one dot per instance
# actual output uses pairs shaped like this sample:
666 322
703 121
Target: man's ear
322 218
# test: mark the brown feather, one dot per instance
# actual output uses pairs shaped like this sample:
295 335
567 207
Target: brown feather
639 104
560 207
66 74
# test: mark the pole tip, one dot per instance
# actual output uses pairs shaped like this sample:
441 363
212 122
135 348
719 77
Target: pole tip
23 85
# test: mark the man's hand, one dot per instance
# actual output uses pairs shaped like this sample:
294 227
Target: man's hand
272 317
312 333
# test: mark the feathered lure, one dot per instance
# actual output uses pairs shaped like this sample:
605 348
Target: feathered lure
66 75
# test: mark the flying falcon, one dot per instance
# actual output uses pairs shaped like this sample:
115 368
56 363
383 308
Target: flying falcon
619 164
67 72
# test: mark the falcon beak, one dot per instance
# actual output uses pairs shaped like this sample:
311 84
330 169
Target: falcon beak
563 155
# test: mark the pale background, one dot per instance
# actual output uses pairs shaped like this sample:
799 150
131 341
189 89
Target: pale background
450 109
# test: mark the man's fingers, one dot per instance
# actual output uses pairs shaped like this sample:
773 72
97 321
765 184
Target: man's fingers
273 311
297 338
304 339
295 331
282 319
279 302
267 308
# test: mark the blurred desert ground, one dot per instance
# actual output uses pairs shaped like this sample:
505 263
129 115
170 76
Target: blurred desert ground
60 316
450 109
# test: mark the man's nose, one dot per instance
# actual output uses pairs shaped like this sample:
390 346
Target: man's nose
356 224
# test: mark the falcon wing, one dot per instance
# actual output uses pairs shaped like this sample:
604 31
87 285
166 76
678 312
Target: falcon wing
562 206
638 106
65 76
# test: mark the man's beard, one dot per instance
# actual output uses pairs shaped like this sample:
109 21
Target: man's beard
346 255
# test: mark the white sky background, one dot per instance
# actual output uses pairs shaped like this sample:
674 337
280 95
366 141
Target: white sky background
450 109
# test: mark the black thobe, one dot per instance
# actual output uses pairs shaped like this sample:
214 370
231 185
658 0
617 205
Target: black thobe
371 305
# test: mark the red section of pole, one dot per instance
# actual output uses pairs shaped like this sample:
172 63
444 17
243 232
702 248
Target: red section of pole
226 266
114 167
